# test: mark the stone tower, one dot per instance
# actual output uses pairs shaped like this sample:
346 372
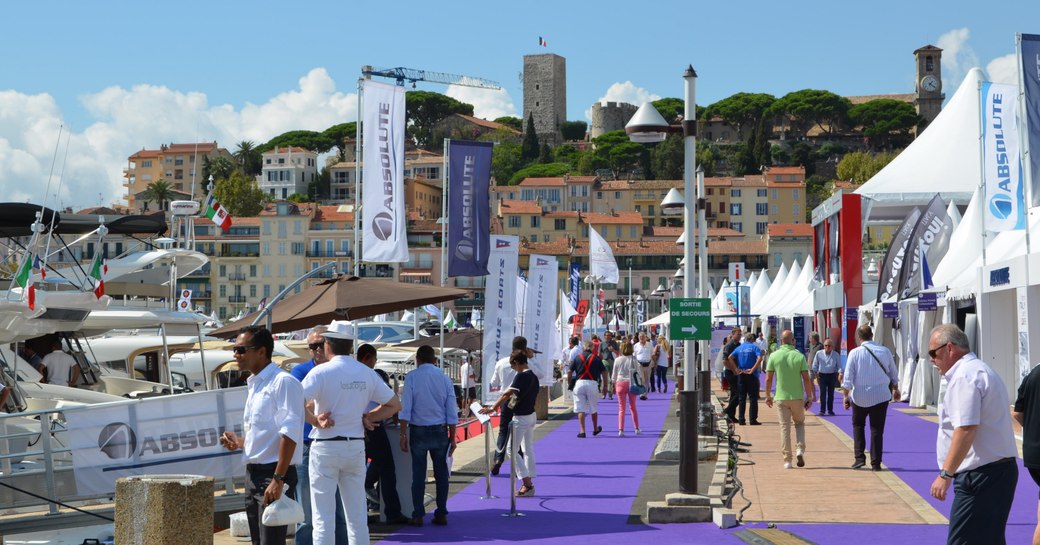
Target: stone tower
610 117
545 95
928 95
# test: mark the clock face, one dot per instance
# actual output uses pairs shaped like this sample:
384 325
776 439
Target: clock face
929 83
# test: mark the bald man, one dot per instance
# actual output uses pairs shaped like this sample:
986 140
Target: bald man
794 394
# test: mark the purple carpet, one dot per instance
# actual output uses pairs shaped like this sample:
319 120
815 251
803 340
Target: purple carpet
585 489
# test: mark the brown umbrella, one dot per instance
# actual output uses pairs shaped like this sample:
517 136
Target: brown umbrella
345 298
466 339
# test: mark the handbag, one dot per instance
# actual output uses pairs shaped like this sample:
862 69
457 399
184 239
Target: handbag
635 387
892 386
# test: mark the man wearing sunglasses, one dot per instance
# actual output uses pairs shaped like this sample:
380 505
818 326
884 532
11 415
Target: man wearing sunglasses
975 448
316 348
342 391
273 425
870 381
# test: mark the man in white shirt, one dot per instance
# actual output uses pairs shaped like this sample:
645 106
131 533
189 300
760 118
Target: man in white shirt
975 447
870 381
468 384
342 390
643 351
61 367
273 426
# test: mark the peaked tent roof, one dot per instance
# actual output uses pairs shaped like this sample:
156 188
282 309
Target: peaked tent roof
944 159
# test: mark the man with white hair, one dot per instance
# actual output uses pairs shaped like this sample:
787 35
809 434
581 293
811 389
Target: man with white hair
587 370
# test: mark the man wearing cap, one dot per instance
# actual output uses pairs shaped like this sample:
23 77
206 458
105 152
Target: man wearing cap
316 346
502 378
341 391
273 425
428 417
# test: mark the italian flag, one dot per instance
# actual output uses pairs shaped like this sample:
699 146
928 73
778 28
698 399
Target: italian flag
97 271
24 279
217 213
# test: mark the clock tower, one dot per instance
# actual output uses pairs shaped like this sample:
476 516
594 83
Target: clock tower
928 95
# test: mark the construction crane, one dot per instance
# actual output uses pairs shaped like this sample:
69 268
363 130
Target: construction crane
402 74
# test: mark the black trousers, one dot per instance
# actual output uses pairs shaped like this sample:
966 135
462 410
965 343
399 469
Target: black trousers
877 415
734 394
749 388
377 449
258 476
982 502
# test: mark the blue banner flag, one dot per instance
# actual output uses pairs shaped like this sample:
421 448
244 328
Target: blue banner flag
1029 48
1005 204
575 281
469 207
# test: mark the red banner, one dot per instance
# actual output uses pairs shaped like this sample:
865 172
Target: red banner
579 318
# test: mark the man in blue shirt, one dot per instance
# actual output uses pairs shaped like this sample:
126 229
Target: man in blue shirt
428 417
747 359
316 346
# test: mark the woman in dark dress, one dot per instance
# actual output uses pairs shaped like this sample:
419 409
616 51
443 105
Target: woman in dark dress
521 395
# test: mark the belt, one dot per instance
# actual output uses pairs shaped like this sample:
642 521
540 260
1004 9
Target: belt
270 466
339 439
998 462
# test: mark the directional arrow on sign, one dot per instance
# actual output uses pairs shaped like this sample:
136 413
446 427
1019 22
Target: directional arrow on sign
691 329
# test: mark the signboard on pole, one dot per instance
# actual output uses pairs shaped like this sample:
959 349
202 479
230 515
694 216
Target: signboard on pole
737 272
690 319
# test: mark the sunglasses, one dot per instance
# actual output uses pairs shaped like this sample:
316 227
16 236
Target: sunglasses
933 351
316 346
242 349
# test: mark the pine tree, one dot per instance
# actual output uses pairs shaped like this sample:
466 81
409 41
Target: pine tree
530 148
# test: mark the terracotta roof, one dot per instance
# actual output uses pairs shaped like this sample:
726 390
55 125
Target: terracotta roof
561 246
292 149
541 182
614 185
786 185
296 209
580 179
786 170
146 153
749 181
563 214
334 213
845 185
487 124
617 218
673 233
790 230
428 226
98 211
519 207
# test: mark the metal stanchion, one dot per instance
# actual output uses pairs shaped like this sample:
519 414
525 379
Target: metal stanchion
512 472
487 462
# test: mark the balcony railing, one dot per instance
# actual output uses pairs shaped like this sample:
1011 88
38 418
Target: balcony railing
237 277
323 253
236 299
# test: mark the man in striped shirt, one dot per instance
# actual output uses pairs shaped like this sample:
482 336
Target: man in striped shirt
870 381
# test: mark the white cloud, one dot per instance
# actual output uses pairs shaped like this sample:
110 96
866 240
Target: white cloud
487 104
958 56
624 92
1003 69
144 116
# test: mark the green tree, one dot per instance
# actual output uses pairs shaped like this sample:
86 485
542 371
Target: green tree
858 167
708 157
311 140
545 154
539 171
566 154
505 160
511 121
248 158
620 154
339 134
220 167
297 197
812 107
802 154
240 195
761 150
529 148
161 192
742 111
670 108
424 109
885 122
573 130
666 158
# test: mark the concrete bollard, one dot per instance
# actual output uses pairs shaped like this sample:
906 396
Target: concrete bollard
164 510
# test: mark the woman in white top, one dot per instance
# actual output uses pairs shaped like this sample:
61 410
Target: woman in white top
624 368
662 356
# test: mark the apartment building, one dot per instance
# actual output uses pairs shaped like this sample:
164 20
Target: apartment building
287 171
174 163
789 243
417 164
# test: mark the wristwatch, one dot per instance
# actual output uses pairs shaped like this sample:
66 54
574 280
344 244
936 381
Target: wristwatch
278 477
945 474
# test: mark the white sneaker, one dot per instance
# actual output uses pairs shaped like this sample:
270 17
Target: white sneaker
637 431
787 465
621 433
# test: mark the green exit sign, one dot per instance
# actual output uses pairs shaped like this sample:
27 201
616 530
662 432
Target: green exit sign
690 319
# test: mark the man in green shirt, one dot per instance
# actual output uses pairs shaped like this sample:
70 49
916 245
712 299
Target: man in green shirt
794 394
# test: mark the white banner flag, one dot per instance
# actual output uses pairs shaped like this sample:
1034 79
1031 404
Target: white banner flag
383 220
167 435
540 321
499 308
601 259
1005 208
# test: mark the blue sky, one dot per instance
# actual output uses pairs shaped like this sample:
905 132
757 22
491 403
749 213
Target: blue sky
122 76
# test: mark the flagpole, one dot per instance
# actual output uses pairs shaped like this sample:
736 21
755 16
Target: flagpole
357 182
1024 157
982 211
444 232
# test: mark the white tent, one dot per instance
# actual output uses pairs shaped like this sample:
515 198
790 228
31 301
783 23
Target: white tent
944 159
760 289
779 291
758 304
798 300
967 240
663 318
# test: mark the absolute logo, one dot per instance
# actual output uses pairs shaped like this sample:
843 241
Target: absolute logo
384 224
466 248
119 441
1001 167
